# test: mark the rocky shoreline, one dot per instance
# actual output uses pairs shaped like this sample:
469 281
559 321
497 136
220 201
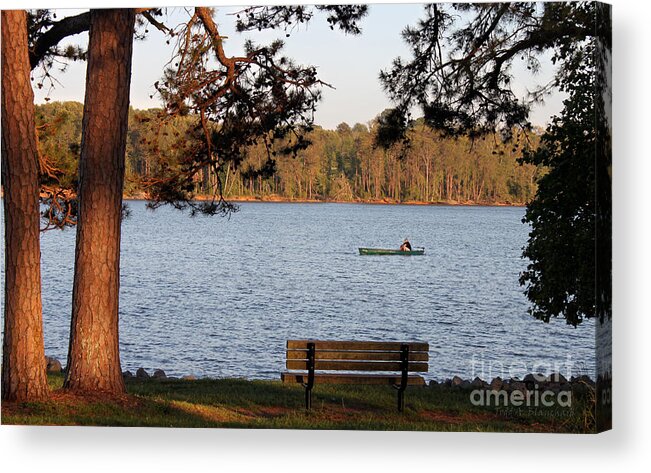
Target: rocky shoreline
554 382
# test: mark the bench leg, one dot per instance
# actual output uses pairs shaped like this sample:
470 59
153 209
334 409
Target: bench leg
308 399
311 348
404 378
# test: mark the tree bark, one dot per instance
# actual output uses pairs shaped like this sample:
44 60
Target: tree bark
93 356
23 358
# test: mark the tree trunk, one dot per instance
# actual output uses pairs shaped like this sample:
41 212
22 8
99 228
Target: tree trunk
93 356
23 357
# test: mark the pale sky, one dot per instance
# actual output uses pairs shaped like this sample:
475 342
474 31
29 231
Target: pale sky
350 63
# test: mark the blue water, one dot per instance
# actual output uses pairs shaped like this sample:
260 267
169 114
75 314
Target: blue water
219 297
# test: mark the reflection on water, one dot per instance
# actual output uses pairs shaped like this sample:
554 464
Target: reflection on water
219 297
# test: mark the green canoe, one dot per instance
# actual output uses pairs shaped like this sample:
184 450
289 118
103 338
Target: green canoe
382 251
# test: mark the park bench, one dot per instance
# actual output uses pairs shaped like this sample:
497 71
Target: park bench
355 362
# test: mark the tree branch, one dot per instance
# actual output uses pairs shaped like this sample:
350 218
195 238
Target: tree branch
68 26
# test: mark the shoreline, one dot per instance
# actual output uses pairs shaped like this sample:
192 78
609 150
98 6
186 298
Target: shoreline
552 379
274 199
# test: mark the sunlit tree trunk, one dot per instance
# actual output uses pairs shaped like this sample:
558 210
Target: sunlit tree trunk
23 358
93 357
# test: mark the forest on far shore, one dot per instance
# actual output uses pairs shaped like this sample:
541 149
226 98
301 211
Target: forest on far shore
340 165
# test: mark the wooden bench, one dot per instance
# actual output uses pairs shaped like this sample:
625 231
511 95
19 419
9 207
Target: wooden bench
354 361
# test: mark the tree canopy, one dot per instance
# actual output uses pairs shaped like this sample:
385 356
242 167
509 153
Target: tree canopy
260 97
461 77
460 74
249 112
563 214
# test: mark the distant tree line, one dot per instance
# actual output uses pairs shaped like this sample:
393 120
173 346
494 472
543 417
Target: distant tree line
342 164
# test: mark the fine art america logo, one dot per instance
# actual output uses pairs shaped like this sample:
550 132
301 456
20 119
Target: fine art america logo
518 397
535 390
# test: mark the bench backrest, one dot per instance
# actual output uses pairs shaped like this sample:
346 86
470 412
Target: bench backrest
331 355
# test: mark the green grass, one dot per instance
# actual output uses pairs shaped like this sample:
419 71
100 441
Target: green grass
240 403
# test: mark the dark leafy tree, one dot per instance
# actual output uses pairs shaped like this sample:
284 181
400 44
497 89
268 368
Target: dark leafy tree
258 97
344 17
570 233
461 75
290 91
562 215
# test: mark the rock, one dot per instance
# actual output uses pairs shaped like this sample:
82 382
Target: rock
510 383
518 386
456 381
127 374
556 378
465 384
189 377
433 384
159 374
477 383
53 365
535 378
141 373
534 381
496 384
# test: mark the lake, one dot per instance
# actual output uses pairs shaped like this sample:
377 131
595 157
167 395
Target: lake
219 297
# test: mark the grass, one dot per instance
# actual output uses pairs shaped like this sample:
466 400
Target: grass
238 403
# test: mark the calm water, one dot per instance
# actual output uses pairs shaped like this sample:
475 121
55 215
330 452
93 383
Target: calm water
219 297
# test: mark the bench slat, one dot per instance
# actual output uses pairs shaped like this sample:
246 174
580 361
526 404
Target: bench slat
356 355
349 378
355 365
355 345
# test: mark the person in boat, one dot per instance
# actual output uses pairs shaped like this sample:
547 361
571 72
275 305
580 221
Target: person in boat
406 246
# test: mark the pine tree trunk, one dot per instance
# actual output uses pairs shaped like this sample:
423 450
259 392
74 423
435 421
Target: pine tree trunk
93 356
23 358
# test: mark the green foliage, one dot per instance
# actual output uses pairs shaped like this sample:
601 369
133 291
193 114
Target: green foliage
460 70
460 76
342 164
560 278
59 132
290 17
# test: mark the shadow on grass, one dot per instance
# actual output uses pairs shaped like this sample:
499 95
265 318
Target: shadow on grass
239 403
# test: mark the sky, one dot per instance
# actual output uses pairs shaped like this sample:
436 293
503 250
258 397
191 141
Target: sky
351 64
